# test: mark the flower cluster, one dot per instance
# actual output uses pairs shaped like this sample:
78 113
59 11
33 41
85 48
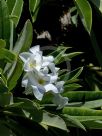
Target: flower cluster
41 76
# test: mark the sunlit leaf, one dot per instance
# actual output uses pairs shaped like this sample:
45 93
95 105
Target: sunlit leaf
71 76
93 104
79 111
71 87
82 95
25 39
54 121
7 55
17 10
85 13
34 8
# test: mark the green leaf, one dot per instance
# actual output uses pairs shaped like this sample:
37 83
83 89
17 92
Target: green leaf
71 76
72 121
71 87
14 74
7 55
93 104
69 56
76 96
34 8
98 4
4 22
2 43
17 10
25 39
10 4
87 118
54 121
59 54
85 13
91 122
6 99
3 84
23 43
81 111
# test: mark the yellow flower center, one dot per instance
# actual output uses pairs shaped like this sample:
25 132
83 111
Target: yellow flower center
32 65
41 81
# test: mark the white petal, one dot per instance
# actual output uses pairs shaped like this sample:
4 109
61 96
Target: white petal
59 86
52 68
51 87
60 101
56 69
53 79
37 93
38 58
24 56
34 62
49 58
25 81
35 49
45 70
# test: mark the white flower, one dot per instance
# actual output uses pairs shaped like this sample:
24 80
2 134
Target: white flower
35 49
41 76
32 59
39 83
47 60
60 100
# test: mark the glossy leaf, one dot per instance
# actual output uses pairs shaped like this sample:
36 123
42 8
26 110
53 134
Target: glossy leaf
54 121
23 43
85 13
14 74
78 111
93 104
25 39
34 8
71 76
69 56
4 22
91 122
10 4
76 96
7 55
71 87
72 121
16 11
88 118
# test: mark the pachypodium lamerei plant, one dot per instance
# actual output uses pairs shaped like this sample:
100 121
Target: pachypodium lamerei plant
41 76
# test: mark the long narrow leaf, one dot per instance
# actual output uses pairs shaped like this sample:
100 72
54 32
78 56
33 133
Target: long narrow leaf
4 22
85 13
